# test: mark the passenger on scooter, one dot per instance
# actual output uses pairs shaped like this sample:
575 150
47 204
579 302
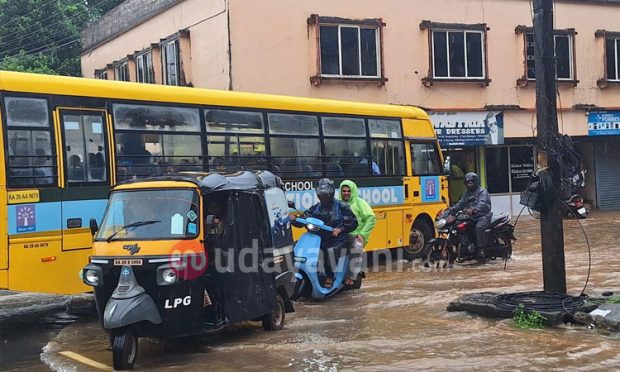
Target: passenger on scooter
335 214
476 202
366 221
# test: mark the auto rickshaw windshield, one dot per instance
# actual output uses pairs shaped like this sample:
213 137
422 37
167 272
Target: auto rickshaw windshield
151 215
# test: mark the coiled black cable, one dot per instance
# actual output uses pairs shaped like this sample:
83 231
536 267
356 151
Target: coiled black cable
539 301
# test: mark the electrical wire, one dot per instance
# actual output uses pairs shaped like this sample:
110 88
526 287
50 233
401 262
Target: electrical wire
587 244
540 301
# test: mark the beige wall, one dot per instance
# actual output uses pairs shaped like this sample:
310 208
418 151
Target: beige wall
276 39
274 51
207 23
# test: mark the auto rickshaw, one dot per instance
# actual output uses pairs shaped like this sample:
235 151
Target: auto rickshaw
184 255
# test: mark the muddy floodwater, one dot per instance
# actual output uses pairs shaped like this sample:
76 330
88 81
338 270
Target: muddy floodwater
398 321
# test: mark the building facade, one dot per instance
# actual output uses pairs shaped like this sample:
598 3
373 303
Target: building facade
470 64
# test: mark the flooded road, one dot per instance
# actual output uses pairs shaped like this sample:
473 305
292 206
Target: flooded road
398 321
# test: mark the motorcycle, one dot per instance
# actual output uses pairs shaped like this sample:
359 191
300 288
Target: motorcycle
307 261
456 240
575 207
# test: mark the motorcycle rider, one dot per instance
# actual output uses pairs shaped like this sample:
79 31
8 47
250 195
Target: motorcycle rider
476 202
335 214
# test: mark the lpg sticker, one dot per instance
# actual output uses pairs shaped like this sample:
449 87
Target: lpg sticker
185 301
25 217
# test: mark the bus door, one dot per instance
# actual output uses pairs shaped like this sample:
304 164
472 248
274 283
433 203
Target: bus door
86 176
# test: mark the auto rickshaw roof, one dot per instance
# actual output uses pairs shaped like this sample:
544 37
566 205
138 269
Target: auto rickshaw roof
210 182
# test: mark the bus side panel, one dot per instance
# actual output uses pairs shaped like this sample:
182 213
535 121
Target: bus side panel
395 232
378 236
418 128
38 264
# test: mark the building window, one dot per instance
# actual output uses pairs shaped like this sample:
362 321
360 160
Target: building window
101 74
564 55
121 71
612 48
144 68
170 62
457 52
348 49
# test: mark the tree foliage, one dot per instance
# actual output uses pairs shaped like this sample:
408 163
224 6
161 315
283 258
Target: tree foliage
43 36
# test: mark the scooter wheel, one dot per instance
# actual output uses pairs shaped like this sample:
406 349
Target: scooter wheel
357 284
274 321
124 349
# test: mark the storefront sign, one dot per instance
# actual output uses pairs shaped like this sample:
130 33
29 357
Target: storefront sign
604 123
469 128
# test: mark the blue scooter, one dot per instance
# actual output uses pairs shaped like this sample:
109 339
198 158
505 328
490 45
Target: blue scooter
307 261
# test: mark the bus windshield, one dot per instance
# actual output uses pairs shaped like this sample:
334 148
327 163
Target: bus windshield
151 215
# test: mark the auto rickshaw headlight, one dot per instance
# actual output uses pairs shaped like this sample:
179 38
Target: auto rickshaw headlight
91 277
169 276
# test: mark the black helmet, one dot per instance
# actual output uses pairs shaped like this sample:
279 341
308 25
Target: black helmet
471 181
325 191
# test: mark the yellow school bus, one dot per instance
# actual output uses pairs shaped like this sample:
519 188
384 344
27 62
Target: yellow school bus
65 141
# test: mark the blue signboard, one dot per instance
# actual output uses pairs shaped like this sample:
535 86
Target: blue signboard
604 123
430 188
469 128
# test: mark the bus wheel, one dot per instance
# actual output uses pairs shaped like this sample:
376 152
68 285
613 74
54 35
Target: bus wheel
418 236
274 321
124 349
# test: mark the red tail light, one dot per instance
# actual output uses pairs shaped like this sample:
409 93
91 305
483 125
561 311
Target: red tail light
462 227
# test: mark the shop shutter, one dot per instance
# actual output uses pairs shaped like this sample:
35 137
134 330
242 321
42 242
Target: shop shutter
607 176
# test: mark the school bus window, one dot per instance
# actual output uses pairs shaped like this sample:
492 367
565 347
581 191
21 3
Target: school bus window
293 124
425 159
142 155
296 157
346 157
384 128
343 127
31 159
388 157
26 112
156 118
234 121
84 140
234 152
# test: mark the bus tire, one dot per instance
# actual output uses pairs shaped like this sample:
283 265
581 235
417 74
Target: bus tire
419 235
274 321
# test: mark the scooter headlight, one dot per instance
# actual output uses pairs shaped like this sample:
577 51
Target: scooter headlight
91 277
441 223
312 227
169 276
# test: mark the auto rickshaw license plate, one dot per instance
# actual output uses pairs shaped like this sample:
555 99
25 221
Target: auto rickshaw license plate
128 262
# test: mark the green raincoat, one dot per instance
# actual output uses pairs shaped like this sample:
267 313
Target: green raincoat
366 219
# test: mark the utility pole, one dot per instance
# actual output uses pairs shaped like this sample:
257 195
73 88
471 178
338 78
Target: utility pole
551 224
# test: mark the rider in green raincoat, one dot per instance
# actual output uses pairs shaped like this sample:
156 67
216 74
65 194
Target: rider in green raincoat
366 221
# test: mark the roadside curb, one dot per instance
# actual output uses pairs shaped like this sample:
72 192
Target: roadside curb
26 307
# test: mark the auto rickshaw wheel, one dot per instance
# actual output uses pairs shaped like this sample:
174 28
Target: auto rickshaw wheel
124 349
274 321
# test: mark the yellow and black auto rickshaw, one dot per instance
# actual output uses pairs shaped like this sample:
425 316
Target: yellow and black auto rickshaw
182 255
